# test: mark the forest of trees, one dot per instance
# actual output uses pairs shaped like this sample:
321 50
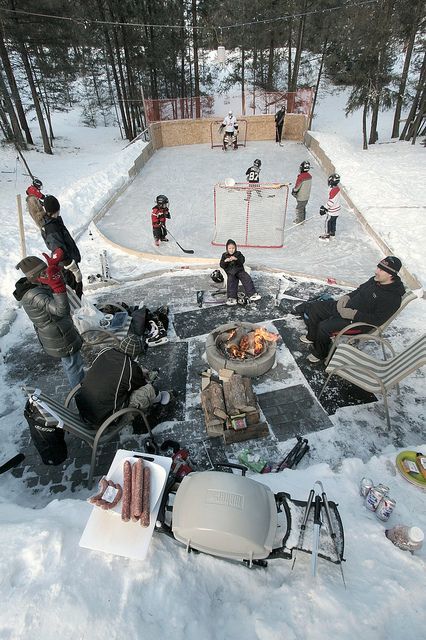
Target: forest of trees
107 54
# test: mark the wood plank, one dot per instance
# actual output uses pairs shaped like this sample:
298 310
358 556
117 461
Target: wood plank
259 430
235 395
211 399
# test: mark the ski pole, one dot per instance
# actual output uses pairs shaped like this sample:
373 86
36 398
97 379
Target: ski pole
303 525
317 531
303 449
285 463
330 527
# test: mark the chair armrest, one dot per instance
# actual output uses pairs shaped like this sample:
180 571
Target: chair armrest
71 395
115 416
342 332
366 337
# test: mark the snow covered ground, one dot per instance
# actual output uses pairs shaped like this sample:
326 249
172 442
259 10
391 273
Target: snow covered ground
50 586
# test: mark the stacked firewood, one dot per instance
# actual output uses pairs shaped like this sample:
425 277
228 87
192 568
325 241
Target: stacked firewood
230 407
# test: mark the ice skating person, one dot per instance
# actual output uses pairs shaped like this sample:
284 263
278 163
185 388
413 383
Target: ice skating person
253 172
232 261
231 131
158 219
279 123
302 190
56 236
35 189
374 302
116 380
332 208
42 293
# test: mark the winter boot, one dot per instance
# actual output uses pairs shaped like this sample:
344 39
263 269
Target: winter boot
157 334
254 297
325 237
231 301
157 243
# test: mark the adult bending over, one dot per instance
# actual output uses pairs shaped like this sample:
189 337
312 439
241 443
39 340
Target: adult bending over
374 302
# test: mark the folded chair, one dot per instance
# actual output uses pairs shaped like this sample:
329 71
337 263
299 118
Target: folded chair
356 329
71 422
376 376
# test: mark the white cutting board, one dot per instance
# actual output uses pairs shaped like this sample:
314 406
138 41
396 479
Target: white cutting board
105 531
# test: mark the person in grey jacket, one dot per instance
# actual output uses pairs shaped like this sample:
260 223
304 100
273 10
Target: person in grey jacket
42 293
302 191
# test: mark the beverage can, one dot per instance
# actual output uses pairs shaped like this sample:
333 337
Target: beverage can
383 488
385 508
365 486
373 498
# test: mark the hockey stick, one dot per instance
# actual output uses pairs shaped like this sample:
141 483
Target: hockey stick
180 246
299 223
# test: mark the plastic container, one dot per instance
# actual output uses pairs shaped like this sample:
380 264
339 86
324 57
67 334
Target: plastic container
421 464
406 538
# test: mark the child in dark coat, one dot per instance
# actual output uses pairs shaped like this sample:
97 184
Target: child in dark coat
232 262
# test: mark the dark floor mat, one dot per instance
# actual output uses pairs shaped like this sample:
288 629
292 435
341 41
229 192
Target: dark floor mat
339 392
201 321
308 290
293 411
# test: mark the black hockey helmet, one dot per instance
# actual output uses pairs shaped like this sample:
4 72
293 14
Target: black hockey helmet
305 166
333 180
162 201
217 276
257 163
37 183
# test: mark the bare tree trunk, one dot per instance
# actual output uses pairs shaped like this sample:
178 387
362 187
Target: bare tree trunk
413 110
299 46
5 126
419 119
324 49
14 89
404 76
196 69
43 97
14 122
25 59
364 125
374 136
270 77
290 26
243 88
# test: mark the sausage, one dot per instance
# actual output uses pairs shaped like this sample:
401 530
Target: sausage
146 507
137 490
104 504
132 502
127 491
103 483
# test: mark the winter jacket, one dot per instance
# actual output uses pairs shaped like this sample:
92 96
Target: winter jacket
279 117
302 188
375 303
333 202
230 124
235 266
107 385
252 174
158 217
55 234
50 314
33 191
36 210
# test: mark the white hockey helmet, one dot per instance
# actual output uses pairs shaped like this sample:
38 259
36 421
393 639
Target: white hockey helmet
230 113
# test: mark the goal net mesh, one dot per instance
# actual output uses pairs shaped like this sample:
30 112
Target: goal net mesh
253 216
216 137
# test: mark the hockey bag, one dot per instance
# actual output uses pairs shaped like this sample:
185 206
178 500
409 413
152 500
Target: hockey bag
48 439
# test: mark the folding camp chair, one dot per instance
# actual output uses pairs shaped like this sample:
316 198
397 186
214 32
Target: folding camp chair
356 329
72 423
374 375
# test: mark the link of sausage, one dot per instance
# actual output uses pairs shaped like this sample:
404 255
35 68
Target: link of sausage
133 500
127 491
137 490
103 483
146 507
104 504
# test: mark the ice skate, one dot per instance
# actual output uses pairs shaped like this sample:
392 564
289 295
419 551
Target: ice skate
325 237
157 334
254 297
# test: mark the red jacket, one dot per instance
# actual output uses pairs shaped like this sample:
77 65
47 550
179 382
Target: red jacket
158 217
33 191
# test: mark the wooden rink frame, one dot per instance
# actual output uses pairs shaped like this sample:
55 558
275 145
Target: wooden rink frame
250 205
216 136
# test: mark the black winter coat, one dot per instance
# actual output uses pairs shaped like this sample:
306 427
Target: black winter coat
375 303
55 234
235 266
50 314
107 385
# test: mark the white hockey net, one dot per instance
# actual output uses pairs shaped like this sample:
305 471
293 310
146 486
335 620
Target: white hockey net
252 215
216 137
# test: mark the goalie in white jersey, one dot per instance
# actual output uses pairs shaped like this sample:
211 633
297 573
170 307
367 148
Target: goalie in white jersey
231 131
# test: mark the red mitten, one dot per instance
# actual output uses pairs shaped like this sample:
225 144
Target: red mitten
57 257
53 278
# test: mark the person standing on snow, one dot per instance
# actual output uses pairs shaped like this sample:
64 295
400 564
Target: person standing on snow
231 131
302 190
35 199
279 124
159 214
56 236
332 208
43 295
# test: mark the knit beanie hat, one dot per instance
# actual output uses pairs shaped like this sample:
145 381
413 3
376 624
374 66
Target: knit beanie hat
391 265
230 241
31 266
51 204
131 345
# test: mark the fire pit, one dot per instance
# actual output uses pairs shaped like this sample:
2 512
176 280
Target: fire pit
242 347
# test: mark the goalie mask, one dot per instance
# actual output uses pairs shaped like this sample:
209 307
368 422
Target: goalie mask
257 163
217 276
230 114
333 180
37 183
305 166
162 201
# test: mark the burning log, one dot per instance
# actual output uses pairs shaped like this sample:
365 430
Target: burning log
240 343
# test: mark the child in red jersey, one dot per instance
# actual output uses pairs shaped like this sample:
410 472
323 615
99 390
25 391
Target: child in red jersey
158 218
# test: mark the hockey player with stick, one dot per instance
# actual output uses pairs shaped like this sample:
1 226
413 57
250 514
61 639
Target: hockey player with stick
34 189
253 172
279 123
232 261
159 214
302 190
231 131
332 209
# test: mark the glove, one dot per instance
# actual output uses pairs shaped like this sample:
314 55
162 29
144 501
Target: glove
53 278
323 210
341 304
56 258
236 127
167 215
347 313
293 193
72 266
